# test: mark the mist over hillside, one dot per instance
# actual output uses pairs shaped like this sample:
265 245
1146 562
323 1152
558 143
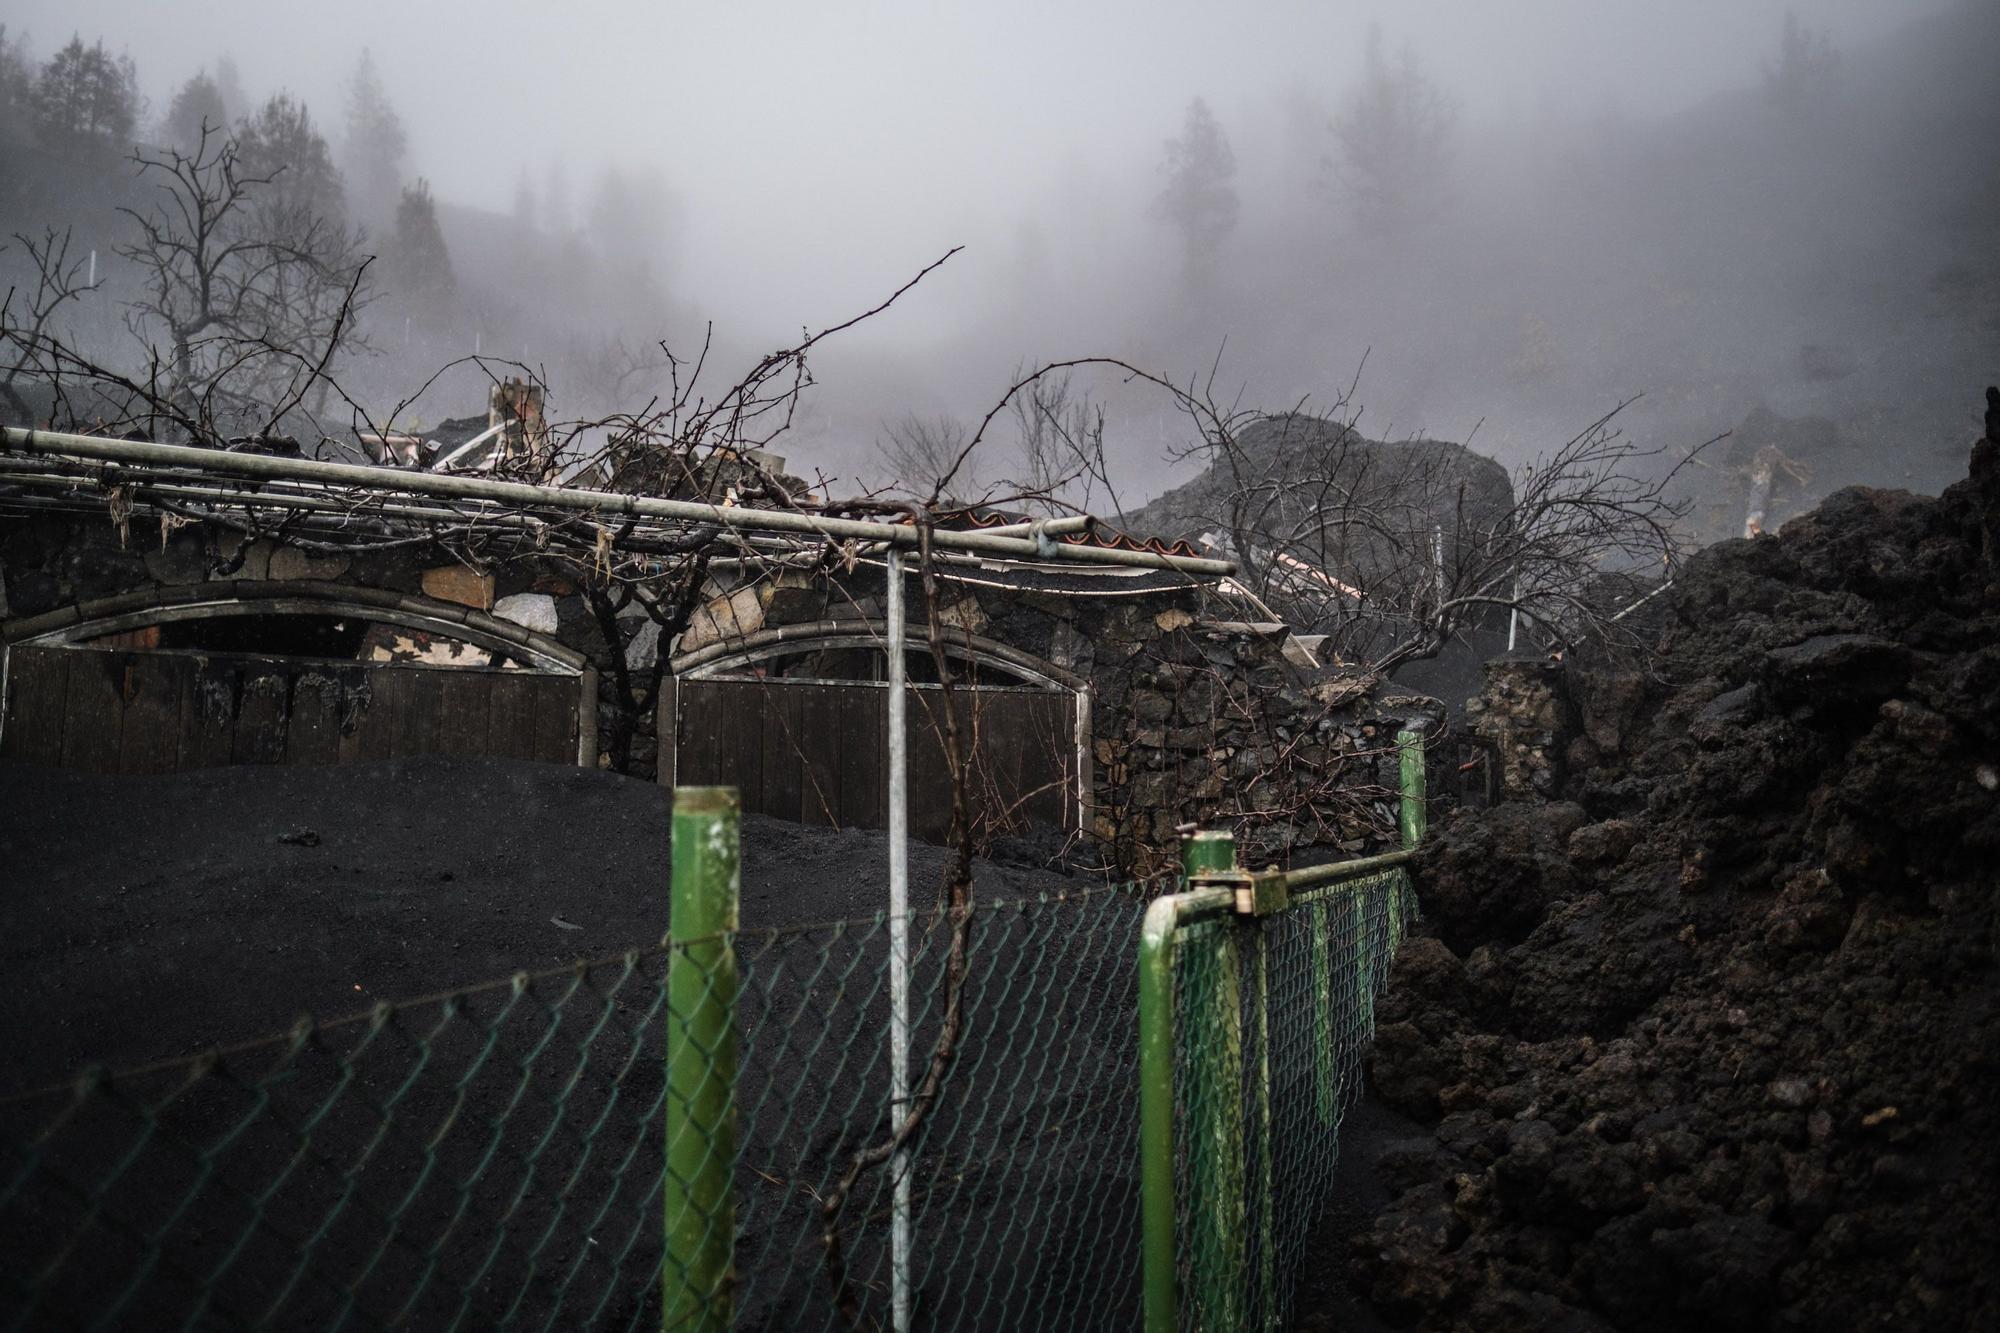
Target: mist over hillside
1798 216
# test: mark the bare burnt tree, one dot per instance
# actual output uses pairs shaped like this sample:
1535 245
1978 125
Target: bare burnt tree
917 454
59 280
1060 438
1390 550
249 295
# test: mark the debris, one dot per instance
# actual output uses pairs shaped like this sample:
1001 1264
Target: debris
302 837
564 925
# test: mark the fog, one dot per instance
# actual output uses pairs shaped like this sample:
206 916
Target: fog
1624 204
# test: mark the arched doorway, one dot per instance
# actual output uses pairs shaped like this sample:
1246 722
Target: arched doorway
797 719
286 673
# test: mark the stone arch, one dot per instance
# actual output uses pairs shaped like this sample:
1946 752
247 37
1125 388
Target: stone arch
729 655
200 601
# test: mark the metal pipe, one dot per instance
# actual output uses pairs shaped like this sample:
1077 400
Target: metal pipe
564 497
1312 876
1055 527
899 949
182 483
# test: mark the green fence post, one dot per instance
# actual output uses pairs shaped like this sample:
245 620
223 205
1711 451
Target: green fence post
1267 1230
1207 850
1156 1115
698 1277
1415 817
1218 1172
1410 750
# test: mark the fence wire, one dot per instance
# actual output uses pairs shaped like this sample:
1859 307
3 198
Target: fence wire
1274 1015
494 1158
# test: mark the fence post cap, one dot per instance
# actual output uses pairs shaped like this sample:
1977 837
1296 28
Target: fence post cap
705 800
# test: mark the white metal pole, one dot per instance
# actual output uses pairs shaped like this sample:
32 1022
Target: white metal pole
899 950
1514 614
1437 561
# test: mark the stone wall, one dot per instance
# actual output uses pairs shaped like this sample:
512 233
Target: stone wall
50 563
1196 714
1526 714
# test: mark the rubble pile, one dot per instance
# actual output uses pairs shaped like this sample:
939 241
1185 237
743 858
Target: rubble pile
1712 1039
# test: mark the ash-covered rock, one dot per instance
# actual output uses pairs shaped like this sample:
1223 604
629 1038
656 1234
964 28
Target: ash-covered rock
1716 1042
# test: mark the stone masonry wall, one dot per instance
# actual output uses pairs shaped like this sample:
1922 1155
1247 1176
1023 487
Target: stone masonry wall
1526 713
1196 715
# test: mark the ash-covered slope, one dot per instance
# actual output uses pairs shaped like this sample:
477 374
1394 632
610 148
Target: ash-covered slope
1286 467
1716 1044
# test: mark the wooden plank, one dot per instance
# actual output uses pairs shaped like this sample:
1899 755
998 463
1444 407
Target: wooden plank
695 734
465 711
991 728
864 769
738 746
377 721
208 726
312 736
666 717
510 716
264 708
93 709
416 729
154 686
783 760
37 696
555 719
818 727
930 775
1028 754
587 738
1052 760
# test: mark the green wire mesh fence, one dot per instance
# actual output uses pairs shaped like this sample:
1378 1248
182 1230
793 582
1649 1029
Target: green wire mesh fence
1274 1014
696 1135
494 1158
1256 1000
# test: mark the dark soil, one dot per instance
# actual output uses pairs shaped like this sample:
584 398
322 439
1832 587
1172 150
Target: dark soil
144 917
494 1160
1715 1043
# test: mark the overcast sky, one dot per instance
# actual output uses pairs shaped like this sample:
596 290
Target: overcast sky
821 150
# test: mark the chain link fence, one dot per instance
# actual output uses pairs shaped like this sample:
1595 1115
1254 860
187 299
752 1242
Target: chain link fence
1274 1014
494 1158
1135 1104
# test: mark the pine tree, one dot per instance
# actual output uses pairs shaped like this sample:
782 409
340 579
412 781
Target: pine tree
228 82
1199 199
1805 71
420 271
1395 140
197 106
281 143
17 82
86 99
374 147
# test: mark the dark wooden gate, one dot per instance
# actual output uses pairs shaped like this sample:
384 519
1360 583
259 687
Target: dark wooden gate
159 711
817 752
